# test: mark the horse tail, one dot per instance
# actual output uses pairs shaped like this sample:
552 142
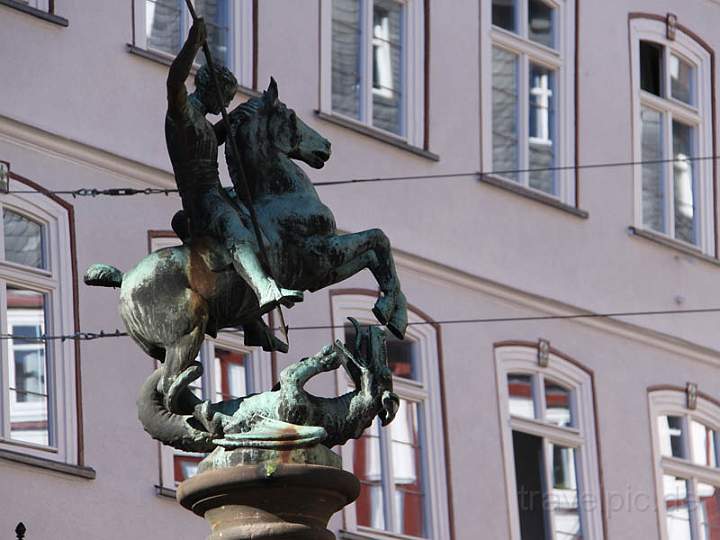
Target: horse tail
103 275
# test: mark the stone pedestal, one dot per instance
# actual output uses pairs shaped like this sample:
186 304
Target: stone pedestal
269 494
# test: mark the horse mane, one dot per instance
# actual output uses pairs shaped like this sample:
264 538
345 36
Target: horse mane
246 110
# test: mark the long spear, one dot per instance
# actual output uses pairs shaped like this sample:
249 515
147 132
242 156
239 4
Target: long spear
241 185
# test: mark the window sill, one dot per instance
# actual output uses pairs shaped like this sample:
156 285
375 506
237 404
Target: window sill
167 60
533 195
371 534
673 244
376 134
40 14
168 493
65 468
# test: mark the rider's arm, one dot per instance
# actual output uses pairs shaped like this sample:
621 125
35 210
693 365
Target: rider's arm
181 66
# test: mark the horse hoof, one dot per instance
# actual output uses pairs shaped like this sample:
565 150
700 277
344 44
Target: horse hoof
399 321
384 308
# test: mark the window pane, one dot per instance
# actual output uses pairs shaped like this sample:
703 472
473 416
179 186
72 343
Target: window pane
541 20
23 240
686 214
520 392
367 466
704 442
217 20
529 466
387 65
557 404
653 184
505 112
407 460
670 430
403 354
163 25
230 374
677 512
708 508
564 498
27 367
682 80
346 39
503 14
651 59
542 128
185 466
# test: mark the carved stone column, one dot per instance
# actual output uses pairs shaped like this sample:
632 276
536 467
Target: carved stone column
269 494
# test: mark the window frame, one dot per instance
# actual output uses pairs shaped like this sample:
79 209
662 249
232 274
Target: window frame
674 402
563 60
427 391
413 108
523 359
56 283
241 37
700 116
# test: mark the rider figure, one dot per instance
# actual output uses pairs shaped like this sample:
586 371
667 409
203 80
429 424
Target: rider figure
192 143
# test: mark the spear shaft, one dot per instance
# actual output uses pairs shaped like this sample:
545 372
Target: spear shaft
241 185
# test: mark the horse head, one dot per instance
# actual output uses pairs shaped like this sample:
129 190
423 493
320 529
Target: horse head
267 126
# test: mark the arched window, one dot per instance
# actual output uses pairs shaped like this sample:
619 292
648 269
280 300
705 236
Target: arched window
686 449
38 401
548 431
401 467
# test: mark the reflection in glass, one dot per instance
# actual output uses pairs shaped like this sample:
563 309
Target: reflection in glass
346 39
530 487
521 395
542 128
677 512
26 316
217 20
540 23
367 466
387 65
651 58
704 444
164 25
686 215
505 112
407 470
557 404
653 184
230 374
670 429
682 79
564 497
708 510
402 355
503 14
23 240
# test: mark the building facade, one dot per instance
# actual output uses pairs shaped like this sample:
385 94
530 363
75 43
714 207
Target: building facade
542 162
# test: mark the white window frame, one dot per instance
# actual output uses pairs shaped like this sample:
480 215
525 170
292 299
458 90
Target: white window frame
55 283
562 61
674 403
258 371
42 5
413 98
524 360
427 392
699 116
240 39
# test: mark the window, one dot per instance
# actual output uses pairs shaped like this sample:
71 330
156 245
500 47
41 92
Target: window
686 451
42 5
548 431
162 25
672 92
230 370
401 467
37 392
528 51
373 67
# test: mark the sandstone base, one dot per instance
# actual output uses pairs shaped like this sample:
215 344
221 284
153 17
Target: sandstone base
278 495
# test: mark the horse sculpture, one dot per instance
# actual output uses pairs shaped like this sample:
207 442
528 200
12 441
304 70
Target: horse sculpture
175 296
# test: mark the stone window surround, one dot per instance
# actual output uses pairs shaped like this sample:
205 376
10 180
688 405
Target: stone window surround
357 304
674 401
564 60
519 357
654 28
